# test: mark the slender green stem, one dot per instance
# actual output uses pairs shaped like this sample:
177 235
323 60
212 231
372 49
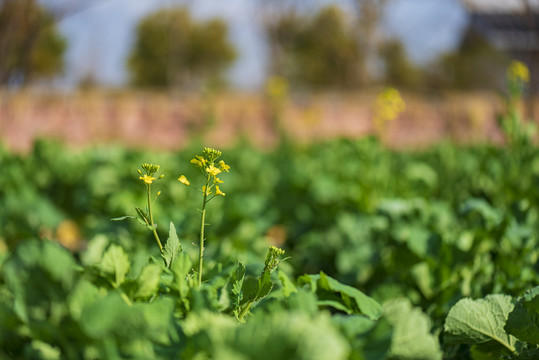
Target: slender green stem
245 310
202 225
151 219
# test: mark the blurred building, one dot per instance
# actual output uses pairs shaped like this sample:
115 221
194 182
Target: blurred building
511 26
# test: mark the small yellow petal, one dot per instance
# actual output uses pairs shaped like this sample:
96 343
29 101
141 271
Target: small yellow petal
218 191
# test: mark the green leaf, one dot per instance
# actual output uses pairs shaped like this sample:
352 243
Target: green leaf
491 350
115 264
84 294
148 281
94 252
479 321
412 338
523 321
353 299
249 289
288 287
264 285
181 268
236 280
143 216
121 218
173 246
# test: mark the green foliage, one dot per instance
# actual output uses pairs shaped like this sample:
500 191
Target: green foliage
341 297
32 47
480 321
173 246
173 49
476 64
457 222
412 338
498 326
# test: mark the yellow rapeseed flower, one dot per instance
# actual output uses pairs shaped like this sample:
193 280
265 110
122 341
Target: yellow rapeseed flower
206 190
212 170
518 71
147 179
218 191
216 180
224 167
184 180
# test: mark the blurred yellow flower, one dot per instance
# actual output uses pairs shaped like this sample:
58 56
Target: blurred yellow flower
218 191
277 87
184 180
212 170
199 161
206 190
224 166
518 71
389 104
147 179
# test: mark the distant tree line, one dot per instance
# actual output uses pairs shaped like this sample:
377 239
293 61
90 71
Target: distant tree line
321 49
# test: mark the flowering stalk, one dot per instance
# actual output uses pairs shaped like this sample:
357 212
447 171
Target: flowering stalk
210 168
202 225
152 225
148 178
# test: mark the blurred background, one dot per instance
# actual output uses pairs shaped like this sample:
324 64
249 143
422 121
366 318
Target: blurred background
159 73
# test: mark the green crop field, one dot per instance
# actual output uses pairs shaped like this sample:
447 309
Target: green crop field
341 249
381 248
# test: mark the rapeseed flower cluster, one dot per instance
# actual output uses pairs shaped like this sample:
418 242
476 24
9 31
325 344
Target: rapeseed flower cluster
208 165
518 72
150 170
389 104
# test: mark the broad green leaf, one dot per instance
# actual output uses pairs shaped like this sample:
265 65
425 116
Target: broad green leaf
490 215
523 321
43 351
479 321
111 318
264 286
116 264
94 252
84 294
250 289
288 287
412 338
148 281
491 350
181 268
236 280
422 275
173 246
352 298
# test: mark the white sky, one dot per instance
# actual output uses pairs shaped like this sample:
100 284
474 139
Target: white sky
100 37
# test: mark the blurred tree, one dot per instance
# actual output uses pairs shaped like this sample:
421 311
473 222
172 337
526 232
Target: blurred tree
369 16
172 49
475 65
398 70
31 47
319 51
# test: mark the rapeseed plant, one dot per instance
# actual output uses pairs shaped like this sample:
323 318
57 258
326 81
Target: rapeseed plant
210 168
